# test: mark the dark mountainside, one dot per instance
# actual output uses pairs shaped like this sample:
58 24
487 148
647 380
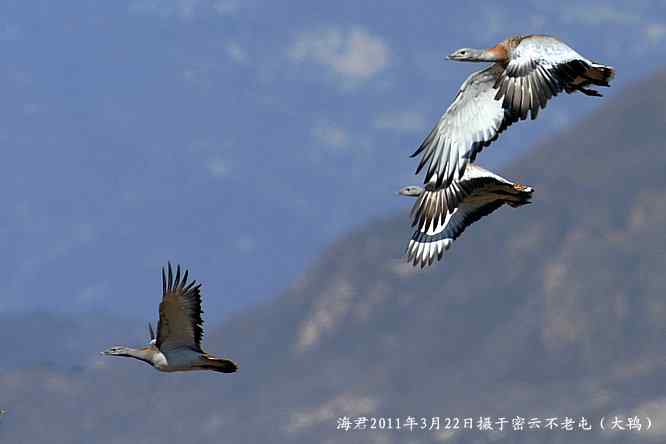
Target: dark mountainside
555 309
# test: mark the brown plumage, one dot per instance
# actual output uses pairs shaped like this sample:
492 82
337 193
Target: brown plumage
180 313
177 346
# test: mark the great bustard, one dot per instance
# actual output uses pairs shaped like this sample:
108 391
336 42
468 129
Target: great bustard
177 346
526 72
441 215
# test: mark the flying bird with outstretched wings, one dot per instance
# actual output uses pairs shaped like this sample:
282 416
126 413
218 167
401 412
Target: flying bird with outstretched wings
177 345
526 72
441 215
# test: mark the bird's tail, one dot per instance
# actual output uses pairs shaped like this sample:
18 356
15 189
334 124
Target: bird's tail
520 195
217 364
594 74
600 75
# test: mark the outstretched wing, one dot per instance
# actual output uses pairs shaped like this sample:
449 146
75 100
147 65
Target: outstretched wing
427 245
432 206
440 216
540 68
472 121
180 324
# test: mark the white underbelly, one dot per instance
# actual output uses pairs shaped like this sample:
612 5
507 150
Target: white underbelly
176 360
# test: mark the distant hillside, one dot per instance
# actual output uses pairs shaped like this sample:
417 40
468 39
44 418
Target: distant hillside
552 310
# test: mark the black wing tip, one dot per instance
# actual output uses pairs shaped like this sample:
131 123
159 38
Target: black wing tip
169 281
420 253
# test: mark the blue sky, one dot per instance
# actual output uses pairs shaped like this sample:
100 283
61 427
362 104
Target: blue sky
240 137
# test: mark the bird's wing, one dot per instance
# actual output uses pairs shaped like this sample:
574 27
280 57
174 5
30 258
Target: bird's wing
431 207
180 324
471 122
479 181
428 245
541 67
434 205
441 215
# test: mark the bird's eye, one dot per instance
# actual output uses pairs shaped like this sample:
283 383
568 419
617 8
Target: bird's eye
463 52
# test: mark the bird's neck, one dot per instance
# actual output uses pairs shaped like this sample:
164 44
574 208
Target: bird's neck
140 354
494 54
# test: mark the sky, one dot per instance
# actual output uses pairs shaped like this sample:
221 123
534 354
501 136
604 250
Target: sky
241 138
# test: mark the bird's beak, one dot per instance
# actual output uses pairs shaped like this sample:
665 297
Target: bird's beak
453 56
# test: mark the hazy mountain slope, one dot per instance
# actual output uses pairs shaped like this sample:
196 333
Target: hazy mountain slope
555 309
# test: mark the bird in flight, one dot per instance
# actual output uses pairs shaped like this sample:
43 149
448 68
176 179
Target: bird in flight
440 215
526 72
177 346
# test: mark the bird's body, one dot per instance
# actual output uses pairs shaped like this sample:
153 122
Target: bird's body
526 72
538 67
180 360
177 346
441 215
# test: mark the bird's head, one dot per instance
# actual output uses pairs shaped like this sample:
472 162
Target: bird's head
116 351
411 190
466 55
